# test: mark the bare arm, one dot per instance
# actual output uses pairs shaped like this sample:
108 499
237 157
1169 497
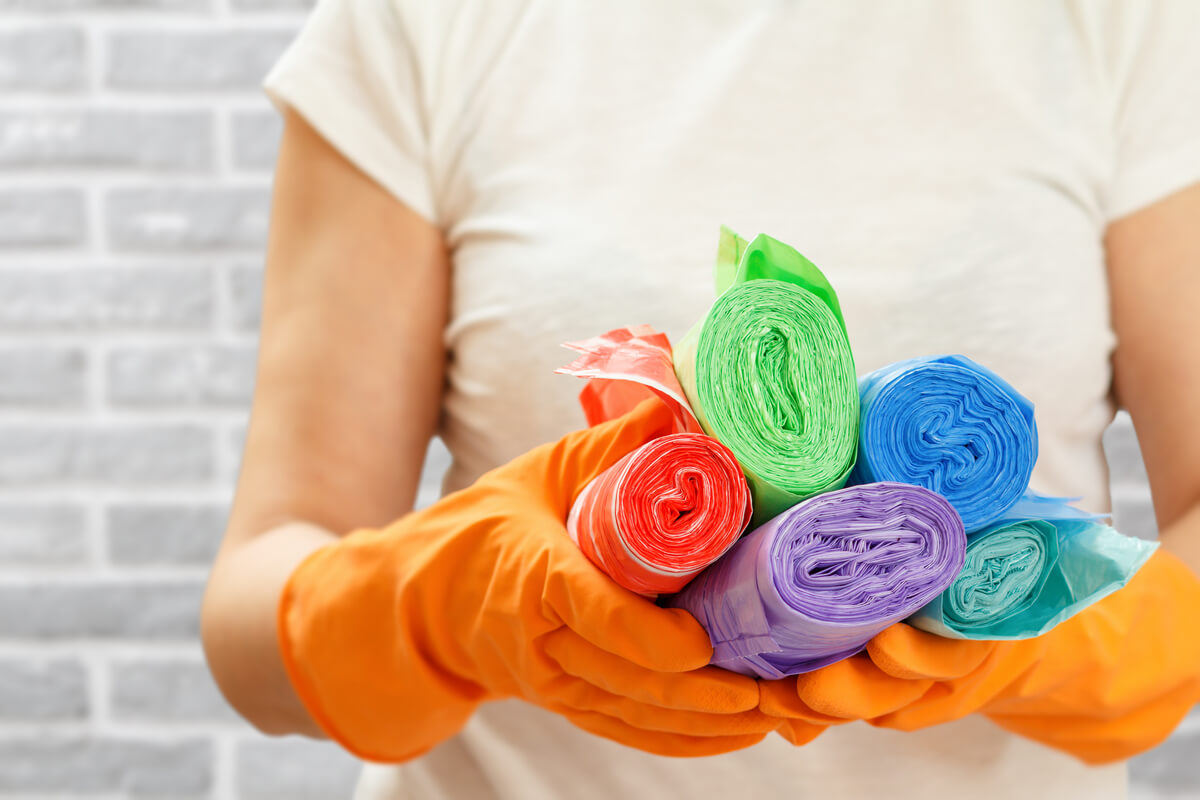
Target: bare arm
350 372
1154 274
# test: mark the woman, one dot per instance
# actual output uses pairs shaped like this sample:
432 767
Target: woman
462 186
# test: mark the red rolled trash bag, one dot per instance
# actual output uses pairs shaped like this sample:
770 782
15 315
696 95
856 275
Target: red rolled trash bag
664 512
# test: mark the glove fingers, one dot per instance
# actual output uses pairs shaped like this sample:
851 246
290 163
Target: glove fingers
855 688
903 651
679 745
778 698
625 624
582 696
948 701
707 689
800 733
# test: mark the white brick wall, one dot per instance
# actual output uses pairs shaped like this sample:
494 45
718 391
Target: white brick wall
135 156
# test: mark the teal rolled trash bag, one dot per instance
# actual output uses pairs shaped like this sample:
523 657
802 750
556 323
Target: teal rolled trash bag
1022 576
950 425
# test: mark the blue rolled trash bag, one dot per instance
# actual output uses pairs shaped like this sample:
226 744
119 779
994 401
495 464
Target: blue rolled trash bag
949 425
1022 575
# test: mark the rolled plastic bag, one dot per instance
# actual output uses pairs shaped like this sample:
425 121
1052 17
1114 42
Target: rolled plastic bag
663 513
1022 577
816 583
768 372
951 426
672 507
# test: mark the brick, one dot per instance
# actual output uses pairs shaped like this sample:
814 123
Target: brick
112 455
89 764
50 534
1125 465
158 610
255 136
167 691
1172 766
237 442
273 5
42 377
193 60
106 299
107 138
106 5
294 769
184 375
42 59
245 297
164 534
183 219
42 691
42 217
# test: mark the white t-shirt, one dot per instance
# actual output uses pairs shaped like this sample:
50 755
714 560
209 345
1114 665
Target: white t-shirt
951 166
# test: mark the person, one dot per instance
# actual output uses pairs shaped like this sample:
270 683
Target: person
461 186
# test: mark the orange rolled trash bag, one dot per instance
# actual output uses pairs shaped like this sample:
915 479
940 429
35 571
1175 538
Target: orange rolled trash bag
663 513
1110 682
392 637
624 367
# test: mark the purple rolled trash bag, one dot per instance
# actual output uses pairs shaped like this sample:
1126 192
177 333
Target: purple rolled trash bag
814 584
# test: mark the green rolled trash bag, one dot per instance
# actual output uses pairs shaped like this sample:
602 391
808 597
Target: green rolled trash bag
768 373
1023 576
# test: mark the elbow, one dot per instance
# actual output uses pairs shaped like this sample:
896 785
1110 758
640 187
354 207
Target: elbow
240 645
222 641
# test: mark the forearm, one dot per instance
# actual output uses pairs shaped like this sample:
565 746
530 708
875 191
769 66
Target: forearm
347 394
1182 537
239 625
1153 256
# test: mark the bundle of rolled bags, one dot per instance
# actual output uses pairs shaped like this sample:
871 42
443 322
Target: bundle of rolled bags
901 495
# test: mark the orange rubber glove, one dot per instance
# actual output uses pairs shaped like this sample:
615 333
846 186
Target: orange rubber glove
1110 682
393 637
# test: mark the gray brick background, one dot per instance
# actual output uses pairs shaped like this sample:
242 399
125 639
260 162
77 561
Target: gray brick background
135 158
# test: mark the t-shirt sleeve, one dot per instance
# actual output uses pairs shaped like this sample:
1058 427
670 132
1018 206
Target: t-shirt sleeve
354 74
1154 69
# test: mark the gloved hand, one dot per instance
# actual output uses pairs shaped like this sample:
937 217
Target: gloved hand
393 637
1108 683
